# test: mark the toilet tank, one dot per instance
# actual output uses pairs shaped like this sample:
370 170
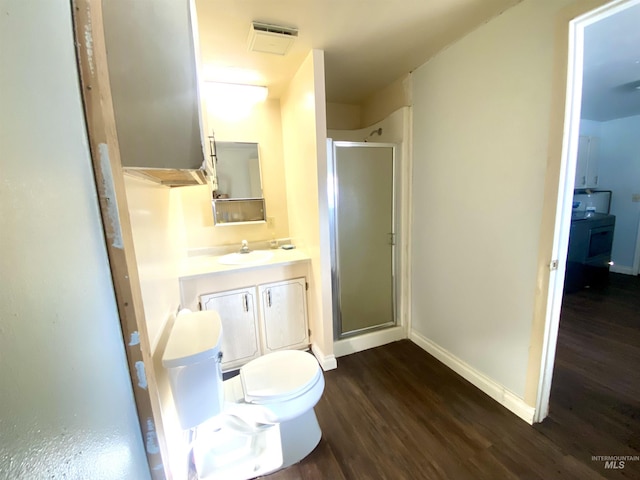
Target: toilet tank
192 359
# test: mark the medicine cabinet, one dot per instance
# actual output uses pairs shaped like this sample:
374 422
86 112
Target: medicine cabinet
238 197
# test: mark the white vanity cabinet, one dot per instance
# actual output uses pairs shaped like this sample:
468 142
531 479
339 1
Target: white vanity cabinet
263 308
284 315
248 331
587 162
240 332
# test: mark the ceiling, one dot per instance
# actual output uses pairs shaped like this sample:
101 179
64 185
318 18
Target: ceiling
368 44
611 80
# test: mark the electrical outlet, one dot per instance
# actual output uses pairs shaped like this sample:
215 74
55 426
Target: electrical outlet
635 197
271 222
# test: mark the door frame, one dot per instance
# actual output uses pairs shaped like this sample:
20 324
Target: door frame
562 226
333 194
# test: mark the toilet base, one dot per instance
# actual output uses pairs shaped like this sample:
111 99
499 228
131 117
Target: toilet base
221 451
299 437
225 454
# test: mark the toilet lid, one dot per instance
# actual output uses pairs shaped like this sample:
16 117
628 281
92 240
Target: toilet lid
279 376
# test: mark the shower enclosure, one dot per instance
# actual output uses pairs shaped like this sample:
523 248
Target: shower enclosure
362 214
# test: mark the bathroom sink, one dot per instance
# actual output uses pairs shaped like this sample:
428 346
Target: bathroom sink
253 257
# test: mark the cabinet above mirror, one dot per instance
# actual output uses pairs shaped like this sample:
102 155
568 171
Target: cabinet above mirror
238 170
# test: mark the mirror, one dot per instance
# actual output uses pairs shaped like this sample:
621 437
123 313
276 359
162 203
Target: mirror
238 196
238 171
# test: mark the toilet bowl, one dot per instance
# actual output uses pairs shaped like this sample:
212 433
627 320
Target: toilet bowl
276 390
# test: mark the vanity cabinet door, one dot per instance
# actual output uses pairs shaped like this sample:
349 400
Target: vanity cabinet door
284 315
237 310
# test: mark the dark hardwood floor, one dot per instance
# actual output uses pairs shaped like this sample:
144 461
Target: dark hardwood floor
394 412
595 394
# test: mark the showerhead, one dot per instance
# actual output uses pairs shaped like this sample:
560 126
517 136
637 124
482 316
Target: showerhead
377 131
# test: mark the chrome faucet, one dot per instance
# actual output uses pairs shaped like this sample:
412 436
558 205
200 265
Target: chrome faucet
245 247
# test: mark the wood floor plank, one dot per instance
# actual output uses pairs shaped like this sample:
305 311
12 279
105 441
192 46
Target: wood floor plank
395 412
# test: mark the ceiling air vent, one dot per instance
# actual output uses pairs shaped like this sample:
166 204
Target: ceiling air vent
267 38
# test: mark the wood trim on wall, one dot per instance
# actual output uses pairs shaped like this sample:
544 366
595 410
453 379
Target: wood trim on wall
105 157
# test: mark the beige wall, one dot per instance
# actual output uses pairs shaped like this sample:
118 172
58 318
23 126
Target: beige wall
156 225
343 116
67 402
373 109
485 173
263 125
159 244
304 133
386 101
394 130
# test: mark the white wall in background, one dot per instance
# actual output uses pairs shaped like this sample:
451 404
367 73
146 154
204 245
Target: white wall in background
619 169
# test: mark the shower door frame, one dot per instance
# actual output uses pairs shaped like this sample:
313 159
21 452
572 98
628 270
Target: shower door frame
334 196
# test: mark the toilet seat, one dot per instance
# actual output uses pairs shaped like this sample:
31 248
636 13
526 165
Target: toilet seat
270 396
279 376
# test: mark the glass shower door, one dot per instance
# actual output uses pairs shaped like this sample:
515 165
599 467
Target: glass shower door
363 237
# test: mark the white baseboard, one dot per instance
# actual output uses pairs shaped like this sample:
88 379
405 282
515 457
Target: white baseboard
621 269
366 341
327 362
496 391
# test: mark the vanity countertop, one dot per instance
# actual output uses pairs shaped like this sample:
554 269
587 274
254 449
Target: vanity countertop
210 264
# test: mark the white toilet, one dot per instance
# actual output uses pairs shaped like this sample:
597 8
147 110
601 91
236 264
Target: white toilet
255 423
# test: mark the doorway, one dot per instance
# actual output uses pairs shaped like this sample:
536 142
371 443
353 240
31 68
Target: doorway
572 130
363 233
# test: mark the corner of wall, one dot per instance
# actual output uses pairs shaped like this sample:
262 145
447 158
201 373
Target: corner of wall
303 108
495 390
343 116
327 362
384 102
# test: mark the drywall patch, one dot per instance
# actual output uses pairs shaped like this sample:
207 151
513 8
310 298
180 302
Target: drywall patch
110 196
88 42
151 439
135 339
142 375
